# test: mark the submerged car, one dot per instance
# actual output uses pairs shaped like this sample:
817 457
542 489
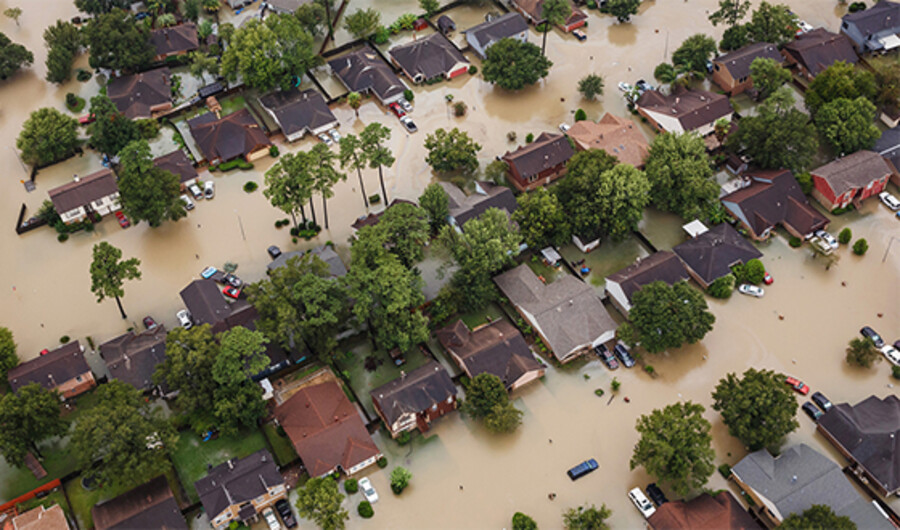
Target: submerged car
188 203
209 189
580 35
325 139
409 124
283 508
797 385
641 502
149 323
828 238
889 200
232 280
607 357
656 494
823 402
751 290
768 279
271 520
623 354
123 221
395 108
273 251
185 319
582 469
232 292
812 411
196 192
407 107
892 354
368 491
335 135
870 334
208 272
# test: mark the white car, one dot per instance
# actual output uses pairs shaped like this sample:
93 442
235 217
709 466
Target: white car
564 127
325 139
196 192
803 27
188 203
828 238
641 502
751 290
209 189
407 107
271 519
335 135
368 491
891 353
625 87
889 200
184 318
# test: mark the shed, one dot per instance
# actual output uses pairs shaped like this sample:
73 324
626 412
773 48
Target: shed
694 228
551 256
445 24
420 24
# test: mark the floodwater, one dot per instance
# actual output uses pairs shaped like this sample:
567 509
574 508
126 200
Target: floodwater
45 292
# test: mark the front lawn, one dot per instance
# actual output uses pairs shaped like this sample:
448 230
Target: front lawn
281 445
82 500
191 455
485 315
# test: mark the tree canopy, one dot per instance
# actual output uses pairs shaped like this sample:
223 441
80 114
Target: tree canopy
730 12
289 183
312 17
403 230
587 518
28 417
487 400
664 316
13 57
62 40
840 80
147 192
591 86
512 65
847 125
112 130
815 517
680 175
772 23
320 501
96 7
237 399
734 38
622 9
520 521
758 408
116 42
8 357
47 136
435 202
451 151
109 272
768 76
694 53
187 369
861 351
542 220
362 23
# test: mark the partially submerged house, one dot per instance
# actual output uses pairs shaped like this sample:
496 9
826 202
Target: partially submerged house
299 112
429 58
236 135
888 146
619 137
814 51
464 208
178 163
496 348
96 193
174 41
710 255
731 71
63 369
373 218
851 179
663 266
684 110
150 505
133 357
772 198
533 11
363 71
566 313
326 430
240 489
540 162
415 399
144 95
719 511
874 29
868 436
324 252
486 34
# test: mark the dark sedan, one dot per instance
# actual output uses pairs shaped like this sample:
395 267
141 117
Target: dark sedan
273 251
582 469
624 355
656 494
607 357
812 411
869 333
287 515
232 280
822 401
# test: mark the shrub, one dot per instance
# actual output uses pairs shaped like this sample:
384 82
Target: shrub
459 109
375 199
473 70
404 438
845 236
599 392
722 287
408 95
273 151
295 231
64 339
856 6
615 385
895 371
795 242
62 237
725 471
529 138
580 115
236 163
250 186
520 521
400 478
650 369
860 247
382 462
382 34
754 272
83 75
351 485
149 128
74 103
365 510
294 240
511 136
591 4
805 181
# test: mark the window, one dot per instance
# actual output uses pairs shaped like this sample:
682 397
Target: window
98 203
434 407
450 399
78 378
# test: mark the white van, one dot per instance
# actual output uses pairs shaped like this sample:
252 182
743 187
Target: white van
642 503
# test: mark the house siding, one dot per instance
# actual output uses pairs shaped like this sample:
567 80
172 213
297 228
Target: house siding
722 77
420 420
617 297
528 377
224 518
765 511
76 386
543 178
826 196
102 206
855 465
482 52
661 122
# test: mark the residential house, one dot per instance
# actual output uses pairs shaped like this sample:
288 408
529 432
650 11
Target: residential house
533 11
236 135
496 348
888 146
415 399
143 95
851 179
566 313
540 162
133 357
63 369
373 218
174 41
619 137
710 255
663 266
363 71
299 112
874 29
237 4
283 6
96 193
816 50
464 208
486 34
731 71
721 512
429 58
772 198
868 435
178 163
326 430
324 252
40 518
797 479
150 505
240 489
684 110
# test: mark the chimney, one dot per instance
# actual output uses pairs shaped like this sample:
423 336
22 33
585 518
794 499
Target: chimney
402 374
76 179
127 362
231 464
52 381
677 100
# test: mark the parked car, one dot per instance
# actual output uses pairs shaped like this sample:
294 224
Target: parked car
582 469
208 272
656 494
335 135
642 86
325 139
395 108
209 189
607 357
822 401
889 200
185 319
232 280
797 385
149 323
812 411
803 27
623 354
641 502
188 203
123 221
271 520
409 124
751 290
828 238
625 87
407 107
564 127
768 279
580 35
892 354
283 508
87 119
196 191
368 491
232 292
869 333
273 251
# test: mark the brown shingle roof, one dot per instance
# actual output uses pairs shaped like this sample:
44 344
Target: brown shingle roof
223 139
853 171
429 57
238 481
818 49
149 505
132 358
51 369
135 95
40 518
83 191
617 136
662 266
711 254
773 197
175 39
296 110
497 348
692 108
722 512
487 195
738 62
178 163
363 70
414 392
546 151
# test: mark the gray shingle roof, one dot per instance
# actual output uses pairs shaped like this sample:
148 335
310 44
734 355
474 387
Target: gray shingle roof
150 505
132 358
175 39
430 57
546 151
662 266
497 348
324 252
738 62
237 481
774 197
228 137
853 171
297 110
499 28
84 191
134 95
488 195
692 108
415 392
818 49
178 163
711 254
882 16
363 70
51 369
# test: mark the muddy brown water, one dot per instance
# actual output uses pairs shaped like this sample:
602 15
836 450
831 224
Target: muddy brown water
45 288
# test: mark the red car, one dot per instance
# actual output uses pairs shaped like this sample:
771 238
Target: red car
797 385
768 279
231 292
397 110
123 221
86 119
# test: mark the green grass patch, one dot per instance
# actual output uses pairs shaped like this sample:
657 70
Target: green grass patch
281 445
83 500
232 104
489 313
192 455
300 374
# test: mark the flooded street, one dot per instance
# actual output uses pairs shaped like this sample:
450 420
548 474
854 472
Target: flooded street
45 288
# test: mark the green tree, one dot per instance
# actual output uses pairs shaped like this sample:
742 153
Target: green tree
212 6
451 151
146 192
362 23
187 368
320 501
487 400
191 10
752 272
845 235
353 156
840 80
238 399
128 438
377 154
542 220
512 65
694 53
861 351
289 183
8 357
112 130
109 272
779 136
669 316
496 171
730 12
665 73
887 79
815 517
520 521
400 477
429 6
503 419
768 76
758 408
404 230
47 136
848 125
354 100
554 13
97 7
675 446
680 176
325 175
734 38
435 202
312 17
591 86
117 43
722 287
586 518
609 203
772 23
63 41
28 417
201 63
622 9
269 54
860 247
12 57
